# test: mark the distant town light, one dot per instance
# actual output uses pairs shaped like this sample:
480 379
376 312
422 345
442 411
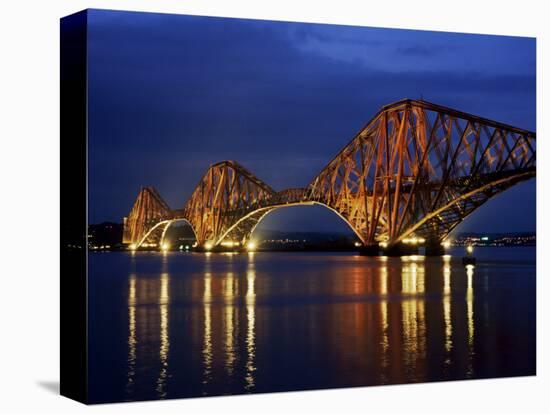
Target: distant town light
357 244
470 249
446 244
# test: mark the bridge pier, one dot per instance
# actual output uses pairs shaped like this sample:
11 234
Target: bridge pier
434 249
371 250
220 249
401 249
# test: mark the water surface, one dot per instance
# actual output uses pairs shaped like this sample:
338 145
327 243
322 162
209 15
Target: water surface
178 325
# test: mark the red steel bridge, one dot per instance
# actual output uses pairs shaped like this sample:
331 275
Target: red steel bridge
414 171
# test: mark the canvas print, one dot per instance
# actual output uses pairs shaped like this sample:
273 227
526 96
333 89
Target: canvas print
280 206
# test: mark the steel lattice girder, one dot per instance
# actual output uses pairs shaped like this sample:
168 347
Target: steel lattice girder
415 168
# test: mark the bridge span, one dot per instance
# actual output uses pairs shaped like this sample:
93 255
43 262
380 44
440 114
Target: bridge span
414 171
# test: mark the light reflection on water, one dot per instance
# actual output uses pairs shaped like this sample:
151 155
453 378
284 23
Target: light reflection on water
227 324
207 348
250 323
131 334
448 343
164 335
470 318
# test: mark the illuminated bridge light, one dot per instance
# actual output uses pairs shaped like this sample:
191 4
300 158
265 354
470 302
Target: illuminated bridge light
251 246
229 243
414 240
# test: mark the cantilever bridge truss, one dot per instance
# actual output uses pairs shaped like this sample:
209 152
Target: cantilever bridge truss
416 169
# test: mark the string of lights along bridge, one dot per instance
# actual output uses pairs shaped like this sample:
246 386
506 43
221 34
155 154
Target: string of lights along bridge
409 177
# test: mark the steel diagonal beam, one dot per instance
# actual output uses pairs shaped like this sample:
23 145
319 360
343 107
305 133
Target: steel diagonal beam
420 167
510 155
496 131
400 144
448 170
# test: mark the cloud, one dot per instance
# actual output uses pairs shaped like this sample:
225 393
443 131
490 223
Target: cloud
169 95
418 50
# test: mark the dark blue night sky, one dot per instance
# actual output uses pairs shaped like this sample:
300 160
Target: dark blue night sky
169 95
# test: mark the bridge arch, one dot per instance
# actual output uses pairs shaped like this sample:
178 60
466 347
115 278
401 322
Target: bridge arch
516 207
467 203
158 231
263 212
169 224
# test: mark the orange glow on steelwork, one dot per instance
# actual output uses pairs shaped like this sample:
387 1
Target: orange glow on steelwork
230 201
